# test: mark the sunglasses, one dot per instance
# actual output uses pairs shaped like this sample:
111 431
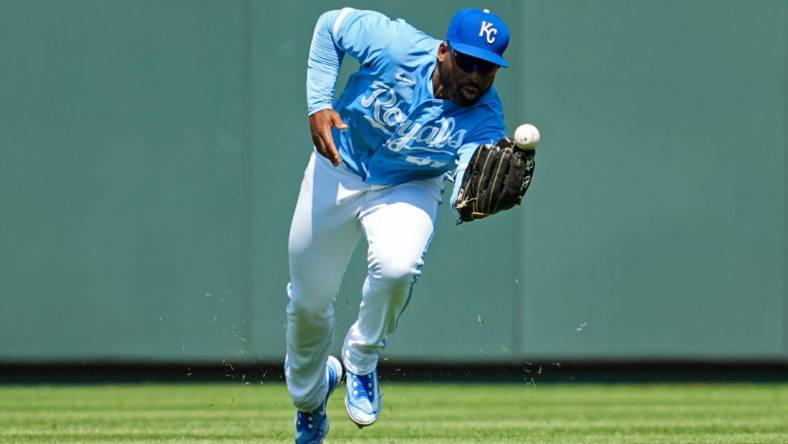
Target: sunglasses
469 64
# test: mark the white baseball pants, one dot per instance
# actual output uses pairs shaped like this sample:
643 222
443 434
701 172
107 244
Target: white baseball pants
334 208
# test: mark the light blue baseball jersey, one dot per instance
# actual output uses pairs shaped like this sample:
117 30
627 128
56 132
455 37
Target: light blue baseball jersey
397 130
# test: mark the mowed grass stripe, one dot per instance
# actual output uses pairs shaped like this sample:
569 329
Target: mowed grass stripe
431 413
456 414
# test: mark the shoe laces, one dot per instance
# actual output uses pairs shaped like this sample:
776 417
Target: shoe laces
305 420
363 386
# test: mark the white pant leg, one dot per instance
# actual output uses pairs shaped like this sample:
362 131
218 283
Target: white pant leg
398 223
323 235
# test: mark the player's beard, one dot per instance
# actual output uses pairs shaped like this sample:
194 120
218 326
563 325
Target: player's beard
451 89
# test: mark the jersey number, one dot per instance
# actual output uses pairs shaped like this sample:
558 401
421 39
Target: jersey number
425 161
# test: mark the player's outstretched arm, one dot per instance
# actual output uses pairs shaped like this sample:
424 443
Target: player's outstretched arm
363 35
320 124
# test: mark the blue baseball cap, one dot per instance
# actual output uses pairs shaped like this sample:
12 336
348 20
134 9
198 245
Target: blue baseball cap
479 33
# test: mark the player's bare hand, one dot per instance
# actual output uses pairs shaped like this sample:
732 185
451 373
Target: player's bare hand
320 123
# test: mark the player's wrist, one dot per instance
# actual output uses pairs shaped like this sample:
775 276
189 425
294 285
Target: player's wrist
312 110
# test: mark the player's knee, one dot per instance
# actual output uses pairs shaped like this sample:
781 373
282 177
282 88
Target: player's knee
396 270
305 310
305 303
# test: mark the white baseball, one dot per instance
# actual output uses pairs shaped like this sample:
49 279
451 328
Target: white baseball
526 136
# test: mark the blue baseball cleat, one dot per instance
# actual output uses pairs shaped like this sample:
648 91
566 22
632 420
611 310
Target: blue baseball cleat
312 427
363 398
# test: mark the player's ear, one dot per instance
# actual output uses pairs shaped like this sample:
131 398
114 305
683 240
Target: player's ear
443 52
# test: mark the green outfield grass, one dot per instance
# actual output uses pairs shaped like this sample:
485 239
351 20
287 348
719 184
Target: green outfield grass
413 413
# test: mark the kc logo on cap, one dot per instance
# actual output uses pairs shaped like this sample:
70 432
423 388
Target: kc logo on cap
487 28
479 33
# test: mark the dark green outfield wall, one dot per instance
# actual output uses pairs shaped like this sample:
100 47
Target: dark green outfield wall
151 152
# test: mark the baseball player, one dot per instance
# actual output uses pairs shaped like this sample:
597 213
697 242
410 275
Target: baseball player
414 113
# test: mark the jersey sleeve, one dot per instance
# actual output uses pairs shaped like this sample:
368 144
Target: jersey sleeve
491 130
361 34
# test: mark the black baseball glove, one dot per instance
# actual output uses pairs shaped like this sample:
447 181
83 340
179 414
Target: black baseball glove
496 179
